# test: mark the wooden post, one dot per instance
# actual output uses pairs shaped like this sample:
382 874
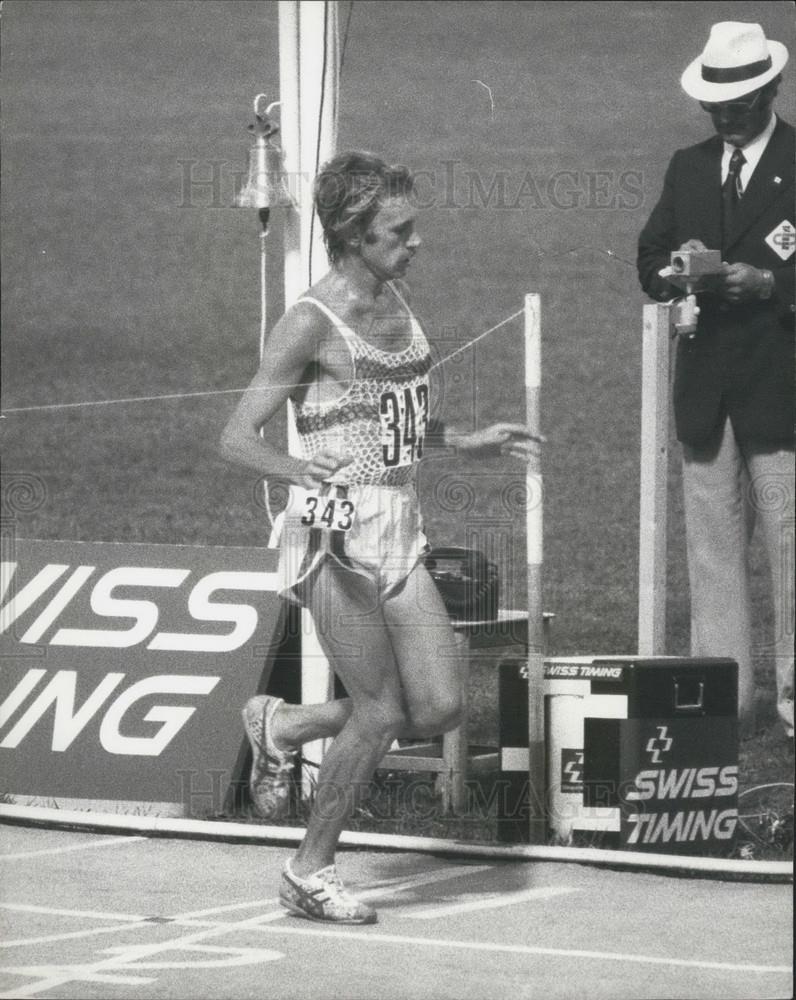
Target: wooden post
455 748
654 477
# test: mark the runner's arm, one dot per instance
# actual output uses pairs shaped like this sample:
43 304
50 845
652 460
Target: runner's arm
514 440
291 348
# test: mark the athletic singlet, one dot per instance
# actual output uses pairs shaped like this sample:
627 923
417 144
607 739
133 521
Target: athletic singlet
381 417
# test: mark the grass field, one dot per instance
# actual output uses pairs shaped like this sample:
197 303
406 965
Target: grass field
124 276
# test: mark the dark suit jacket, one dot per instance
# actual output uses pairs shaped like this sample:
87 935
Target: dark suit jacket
741 360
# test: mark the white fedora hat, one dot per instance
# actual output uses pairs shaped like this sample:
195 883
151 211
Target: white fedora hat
737 59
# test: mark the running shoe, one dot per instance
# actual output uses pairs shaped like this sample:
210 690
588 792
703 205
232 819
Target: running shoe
272 768
322 896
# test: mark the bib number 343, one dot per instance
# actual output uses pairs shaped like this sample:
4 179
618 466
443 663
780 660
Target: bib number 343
328 513
404 416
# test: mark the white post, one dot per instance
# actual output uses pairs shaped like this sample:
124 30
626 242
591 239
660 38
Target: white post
533 526
654 475
319 71
309 70
290 135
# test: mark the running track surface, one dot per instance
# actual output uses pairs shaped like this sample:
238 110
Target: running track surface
92 916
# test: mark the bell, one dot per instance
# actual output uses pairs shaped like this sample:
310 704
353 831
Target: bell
265 184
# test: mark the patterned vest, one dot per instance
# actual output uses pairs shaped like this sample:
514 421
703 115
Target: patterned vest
382 416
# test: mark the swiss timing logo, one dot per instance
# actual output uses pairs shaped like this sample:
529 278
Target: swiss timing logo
660 744
571 770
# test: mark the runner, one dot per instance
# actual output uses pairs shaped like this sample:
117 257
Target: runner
354 361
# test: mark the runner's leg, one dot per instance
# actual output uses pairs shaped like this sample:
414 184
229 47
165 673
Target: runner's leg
427 655
353 634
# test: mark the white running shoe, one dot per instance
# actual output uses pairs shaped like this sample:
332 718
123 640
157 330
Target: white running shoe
322 896
272 768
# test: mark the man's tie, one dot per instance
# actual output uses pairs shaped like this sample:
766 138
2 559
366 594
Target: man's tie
731 190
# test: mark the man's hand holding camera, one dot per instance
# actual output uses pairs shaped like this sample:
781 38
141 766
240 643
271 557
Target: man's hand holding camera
734 283
744 283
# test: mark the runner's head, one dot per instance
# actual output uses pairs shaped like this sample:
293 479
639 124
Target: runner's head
349 191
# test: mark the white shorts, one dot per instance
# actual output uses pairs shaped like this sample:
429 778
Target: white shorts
374 531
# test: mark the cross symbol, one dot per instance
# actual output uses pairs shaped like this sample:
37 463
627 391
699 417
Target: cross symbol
662 743
573 768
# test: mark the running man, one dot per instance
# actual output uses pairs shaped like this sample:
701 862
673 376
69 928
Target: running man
355 363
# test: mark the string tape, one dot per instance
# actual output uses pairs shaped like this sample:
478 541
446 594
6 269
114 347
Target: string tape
229 392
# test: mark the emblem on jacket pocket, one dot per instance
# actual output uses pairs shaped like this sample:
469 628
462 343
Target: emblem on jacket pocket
782 240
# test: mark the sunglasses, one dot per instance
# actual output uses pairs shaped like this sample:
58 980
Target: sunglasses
733 107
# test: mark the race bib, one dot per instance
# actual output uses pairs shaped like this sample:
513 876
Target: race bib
326 513
404 418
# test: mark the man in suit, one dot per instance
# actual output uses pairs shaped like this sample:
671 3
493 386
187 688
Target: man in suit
733 385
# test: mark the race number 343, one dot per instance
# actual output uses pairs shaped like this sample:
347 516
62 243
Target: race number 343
404 416
328 513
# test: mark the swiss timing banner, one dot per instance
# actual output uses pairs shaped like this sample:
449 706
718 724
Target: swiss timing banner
125 667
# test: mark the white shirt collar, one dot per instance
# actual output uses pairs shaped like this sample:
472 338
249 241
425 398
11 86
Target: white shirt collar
752 153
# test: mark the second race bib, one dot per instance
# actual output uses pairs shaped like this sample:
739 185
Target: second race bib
404 416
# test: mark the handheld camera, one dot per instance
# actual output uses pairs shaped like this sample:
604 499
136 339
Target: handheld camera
687 270
696 263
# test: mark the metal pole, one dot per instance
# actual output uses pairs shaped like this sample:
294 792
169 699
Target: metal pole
308 75
319 71
533 525
290 133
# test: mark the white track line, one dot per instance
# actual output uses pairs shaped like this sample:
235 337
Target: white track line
489 901
520 949
104 842
51 976
126 959
72 935
129 919
87 914
124 962
228 908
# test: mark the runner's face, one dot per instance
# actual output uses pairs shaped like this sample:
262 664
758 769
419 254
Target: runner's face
390 242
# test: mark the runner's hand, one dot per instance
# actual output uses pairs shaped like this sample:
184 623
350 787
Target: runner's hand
514 440
321 467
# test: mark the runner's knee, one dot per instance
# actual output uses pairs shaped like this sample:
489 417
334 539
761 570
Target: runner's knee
377 721
439 714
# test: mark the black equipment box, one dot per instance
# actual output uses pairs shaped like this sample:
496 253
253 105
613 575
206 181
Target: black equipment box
467 581
642 753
